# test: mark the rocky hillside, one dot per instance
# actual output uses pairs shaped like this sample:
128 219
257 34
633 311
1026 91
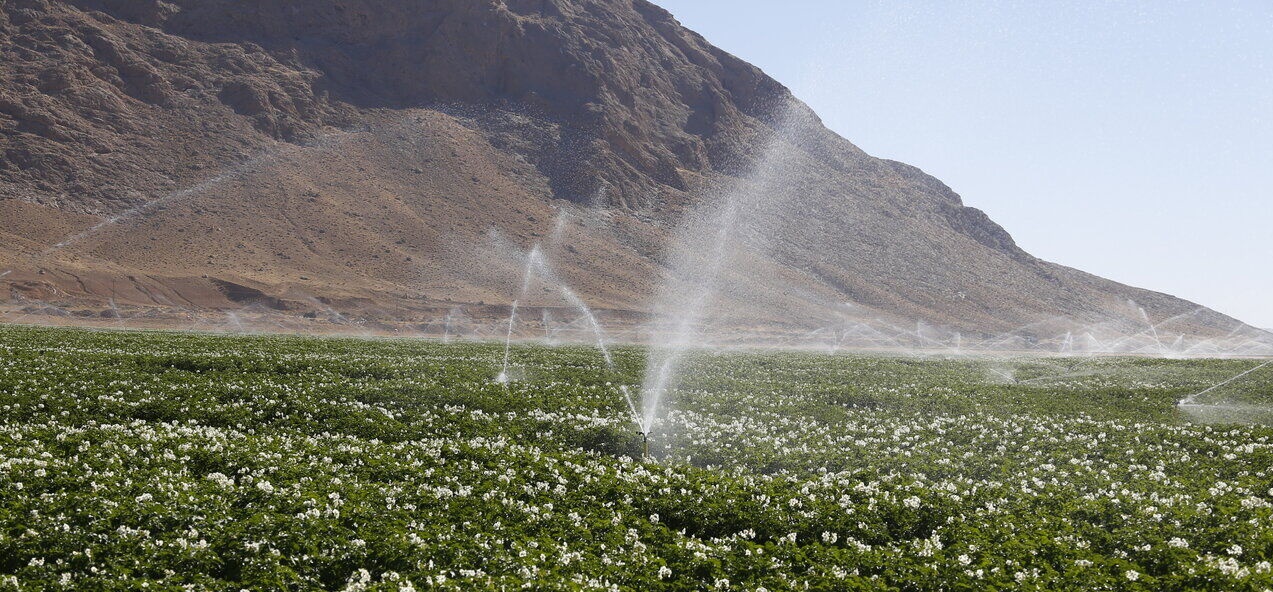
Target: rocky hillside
391 158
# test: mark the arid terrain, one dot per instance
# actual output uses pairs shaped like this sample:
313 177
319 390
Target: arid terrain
385 165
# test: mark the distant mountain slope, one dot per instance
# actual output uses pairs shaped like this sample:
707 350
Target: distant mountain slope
355 155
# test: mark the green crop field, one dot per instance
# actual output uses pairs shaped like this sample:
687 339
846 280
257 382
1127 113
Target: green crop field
178 461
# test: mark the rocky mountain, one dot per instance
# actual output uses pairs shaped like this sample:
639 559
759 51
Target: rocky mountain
390 159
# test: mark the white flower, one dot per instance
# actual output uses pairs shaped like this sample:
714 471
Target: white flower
358 581
911 502
665 572
1254 502
265 486
964 559
1228 566
1133 575
1235 550
1178 543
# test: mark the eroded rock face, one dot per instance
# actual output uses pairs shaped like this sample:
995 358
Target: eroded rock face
457 116
98 113
642 99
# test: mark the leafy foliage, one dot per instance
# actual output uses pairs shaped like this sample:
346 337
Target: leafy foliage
213 462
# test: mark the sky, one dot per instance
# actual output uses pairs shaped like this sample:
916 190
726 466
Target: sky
1133 140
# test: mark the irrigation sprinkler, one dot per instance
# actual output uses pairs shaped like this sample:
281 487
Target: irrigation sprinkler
1189 401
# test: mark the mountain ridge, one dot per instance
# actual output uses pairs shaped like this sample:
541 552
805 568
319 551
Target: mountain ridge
369 146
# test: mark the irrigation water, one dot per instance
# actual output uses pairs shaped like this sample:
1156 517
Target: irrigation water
710 252
446 328
538 267
711 249
1191 400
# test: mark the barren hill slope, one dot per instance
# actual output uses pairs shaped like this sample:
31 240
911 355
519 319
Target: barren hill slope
389 157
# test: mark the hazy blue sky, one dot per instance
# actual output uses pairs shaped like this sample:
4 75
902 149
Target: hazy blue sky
1133 140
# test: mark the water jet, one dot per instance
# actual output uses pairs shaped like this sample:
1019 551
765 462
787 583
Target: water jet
1189 401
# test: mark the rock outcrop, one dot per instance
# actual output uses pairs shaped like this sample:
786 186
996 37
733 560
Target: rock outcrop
360 151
